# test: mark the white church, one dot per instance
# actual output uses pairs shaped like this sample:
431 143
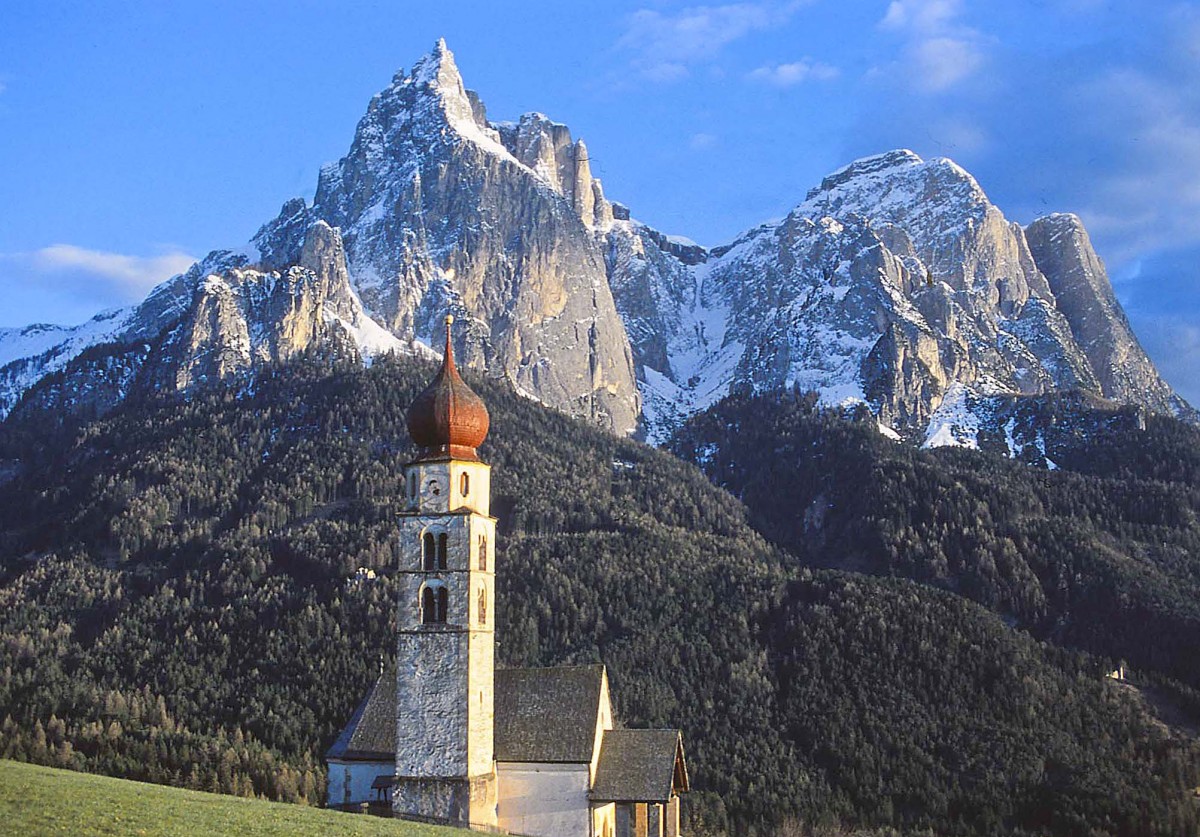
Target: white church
448 738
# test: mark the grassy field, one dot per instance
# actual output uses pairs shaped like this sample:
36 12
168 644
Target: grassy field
42 800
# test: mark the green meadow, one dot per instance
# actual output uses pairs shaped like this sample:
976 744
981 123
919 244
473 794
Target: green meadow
37 800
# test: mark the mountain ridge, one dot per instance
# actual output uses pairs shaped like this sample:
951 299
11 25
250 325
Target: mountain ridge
895 282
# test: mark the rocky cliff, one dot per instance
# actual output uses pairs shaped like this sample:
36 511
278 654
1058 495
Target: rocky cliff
898 284
1075 274
895 283
441 210
223 320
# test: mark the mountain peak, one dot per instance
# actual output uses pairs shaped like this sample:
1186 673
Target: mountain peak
438 70
874 164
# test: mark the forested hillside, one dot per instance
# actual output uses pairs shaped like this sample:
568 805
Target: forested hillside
186 599
1098 551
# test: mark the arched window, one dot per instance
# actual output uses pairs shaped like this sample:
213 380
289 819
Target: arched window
427 552
483 552
482 606
464 484
435 600
442 541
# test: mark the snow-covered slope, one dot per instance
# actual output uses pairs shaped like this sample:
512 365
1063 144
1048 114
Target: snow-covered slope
29 354
221 320
896 283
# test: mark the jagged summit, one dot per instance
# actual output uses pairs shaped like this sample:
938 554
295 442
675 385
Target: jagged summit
437 69
898 284
895 283
442 210
866 166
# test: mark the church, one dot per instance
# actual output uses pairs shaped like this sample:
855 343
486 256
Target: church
445 736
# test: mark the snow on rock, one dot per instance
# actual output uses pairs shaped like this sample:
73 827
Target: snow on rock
895 283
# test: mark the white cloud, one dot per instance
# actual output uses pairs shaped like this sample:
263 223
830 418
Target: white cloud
664 45
131 275
797 72
924 16
938 51
1146 129
65 283
702 140
943 62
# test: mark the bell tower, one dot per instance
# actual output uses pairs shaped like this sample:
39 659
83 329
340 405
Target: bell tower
445 770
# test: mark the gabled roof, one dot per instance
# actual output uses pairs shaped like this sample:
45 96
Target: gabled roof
640 765
371 733
547 714
541 715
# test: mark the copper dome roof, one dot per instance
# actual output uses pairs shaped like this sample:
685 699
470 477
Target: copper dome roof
448 420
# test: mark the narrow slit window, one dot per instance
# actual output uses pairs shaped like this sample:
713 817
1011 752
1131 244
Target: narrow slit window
443 541
483 607
483 564
464 484
427 552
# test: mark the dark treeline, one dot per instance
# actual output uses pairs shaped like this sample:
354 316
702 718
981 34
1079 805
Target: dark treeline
181 602
1101 553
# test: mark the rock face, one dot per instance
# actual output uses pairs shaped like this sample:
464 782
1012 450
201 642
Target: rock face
896 284
222 320
1063 252
243 318
441 211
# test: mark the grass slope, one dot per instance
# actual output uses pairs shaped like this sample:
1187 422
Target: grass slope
43 800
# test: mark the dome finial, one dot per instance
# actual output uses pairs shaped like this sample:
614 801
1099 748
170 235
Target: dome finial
448 354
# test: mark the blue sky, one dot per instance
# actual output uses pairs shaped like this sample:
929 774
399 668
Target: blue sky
136 136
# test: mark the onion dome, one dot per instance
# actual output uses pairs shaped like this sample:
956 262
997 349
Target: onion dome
448 420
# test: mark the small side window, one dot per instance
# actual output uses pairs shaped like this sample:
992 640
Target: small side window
482 606
483 564
464 484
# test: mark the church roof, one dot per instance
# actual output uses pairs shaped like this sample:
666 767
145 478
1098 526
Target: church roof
640 765
547 714
371 733
541 715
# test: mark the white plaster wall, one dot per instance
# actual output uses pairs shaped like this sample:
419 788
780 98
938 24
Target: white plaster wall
604 820
445 476
479 495
361 774
604 721
480 698
544 800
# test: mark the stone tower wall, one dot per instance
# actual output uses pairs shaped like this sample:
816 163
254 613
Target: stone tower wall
446 671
